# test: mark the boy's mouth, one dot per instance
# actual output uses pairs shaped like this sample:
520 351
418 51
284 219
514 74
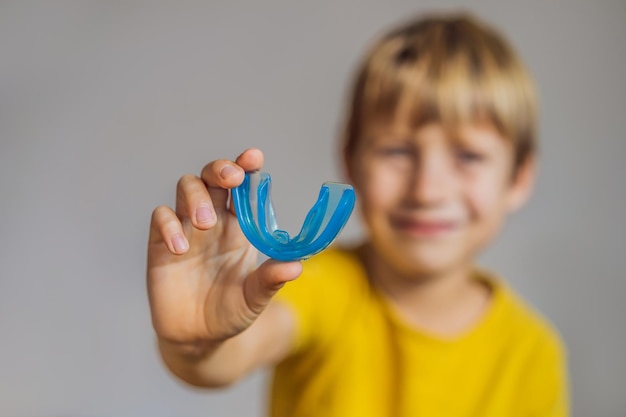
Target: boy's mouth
424 227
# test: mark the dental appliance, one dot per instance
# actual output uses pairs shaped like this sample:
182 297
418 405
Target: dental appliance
255 212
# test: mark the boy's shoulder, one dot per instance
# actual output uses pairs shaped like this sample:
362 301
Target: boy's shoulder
522 321
537 356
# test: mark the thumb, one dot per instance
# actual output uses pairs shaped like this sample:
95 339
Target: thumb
266 280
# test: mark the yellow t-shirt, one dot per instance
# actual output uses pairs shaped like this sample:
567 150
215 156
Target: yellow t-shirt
353 356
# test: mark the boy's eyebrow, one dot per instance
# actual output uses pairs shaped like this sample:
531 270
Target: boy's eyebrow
388 136
479 143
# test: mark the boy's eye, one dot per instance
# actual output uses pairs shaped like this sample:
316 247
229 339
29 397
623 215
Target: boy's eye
468 157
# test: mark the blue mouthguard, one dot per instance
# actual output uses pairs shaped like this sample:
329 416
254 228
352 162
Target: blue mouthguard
253 206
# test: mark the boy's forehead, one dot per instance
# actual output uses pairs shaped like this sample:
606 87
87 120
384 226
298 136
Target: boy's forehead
400 120
401 126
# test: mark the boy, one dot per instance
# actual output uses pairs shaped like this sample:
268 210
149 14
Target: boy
439 145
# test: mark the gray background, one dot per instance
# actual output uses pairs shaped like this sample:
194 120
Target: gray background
104 105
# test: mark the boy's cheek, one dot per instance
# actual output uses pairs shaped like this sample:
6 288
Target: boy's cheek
380 188
486 198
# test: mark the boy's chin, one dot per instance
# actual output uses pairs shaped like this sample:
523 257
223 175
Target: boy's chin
423 263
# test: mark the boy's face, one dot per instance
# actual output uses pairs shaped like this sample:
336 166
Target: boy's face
432 198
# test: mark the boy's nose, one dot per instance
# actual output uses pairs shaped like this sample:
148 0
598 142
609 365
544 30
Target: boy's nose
431 182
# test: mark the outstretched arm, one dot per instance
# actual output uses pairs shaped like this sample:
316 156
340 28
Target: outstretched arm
208 299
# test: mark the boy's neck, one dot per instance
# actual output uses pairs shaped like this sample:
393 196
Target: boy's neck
446 304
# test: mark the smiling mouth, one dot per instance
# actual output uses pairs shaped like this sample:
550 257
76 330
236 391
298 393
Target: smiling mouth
424 228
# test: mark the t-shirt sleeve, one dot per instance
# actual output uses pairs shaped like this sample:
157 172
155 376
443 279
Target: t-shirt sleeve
321 298
301 297
546 382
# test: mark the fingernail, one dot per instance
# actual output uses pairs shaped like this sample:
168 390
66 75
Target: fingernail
204 215
179 243
227 171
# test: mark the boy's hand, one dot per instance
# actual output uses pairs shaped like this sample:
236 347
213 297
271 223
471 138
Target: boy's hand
203 282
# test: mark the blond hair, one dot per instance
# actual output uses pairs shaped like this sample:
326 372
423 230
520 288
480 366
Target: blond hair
448 69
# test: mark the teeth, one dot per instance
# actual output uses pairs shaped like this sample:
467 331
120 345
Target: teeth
255 213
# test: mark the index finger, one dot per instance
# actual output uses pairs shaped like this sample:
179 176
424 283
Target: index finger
251 159
227 174
223 175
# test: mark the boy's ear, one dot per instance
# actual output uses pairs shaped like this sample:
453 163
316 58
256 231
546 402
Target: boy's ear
522 183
